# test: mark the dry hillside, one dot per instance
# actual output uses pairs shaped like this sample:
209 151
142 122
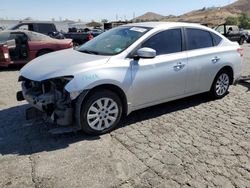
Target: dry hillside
149 16
211 16
240 6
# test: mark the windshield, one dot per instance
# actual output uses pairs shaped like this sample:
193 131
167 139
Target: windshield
113 41
4 36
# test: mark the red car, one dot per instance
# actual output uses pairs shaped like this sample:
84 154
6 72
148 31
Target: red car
20 47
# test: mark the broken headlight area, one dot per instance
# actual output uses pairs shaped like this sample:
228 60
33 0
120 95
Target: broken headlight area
50 97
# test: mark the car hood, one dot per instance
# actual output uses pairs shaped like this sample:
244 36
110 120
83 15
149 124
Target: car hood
62 63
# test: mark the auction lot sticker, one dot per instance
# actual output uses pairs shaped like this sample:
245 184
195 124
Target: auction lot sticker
138 29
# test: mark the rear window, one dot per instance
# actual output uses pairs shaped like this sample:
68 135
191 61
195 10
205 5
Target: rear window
37 36
45 28
4 36
198 39
216 39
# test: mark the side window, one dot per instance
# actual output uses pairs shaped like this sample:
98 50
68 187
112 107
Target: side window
23 27
166 42
220 29
45 28
216 39
197 39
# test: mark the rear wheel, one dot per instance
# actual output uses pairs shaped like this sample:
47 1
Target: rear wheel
76 44
221 84
101 112
241 41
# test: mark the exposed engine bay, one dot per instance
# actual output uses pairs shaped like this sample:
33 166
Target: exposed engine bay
51 98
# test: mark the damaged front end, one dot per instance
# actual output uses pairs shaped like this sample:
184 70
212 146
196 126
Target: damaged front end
49 97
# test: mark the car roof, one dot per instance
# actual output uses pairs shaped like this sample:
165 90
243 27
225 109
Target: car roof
166 24
35 22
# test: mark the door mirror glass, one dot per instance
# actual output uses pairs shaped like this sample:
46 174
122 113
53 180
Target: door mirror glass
146 53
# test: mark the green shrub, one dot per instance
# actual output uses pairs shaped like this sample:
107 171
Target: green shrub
243 21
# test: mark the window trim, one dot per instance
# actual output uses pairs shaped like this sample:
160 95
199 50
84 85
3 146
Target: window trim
211 33
186 38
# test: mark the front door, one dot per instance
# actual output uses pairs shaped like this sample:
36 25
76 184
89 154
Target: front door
163 77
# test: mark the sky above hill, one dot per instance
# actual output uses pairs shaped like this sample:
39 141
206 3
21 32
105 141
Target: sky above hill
88 10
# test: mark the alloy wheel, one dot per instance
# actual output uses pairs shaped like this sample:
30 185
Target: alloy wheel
222 84
102 114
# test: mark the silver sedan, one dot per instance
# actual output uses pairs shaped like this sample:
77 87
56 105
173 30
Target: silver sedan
129 68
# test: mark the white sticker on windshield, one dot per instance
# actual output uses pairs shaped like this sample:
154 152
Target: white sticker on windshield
138 29
118 50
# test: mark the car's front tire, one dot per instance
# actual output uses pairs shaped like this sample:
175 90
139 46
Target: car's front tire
221 84
100 112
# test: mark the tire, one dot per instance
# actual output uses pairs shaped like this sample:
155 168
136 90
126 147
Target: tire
94 117
220 85
241 41
43 52
76 44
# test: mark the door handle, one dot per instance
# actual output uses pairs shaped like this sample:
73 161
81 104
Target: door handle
215 59
179 66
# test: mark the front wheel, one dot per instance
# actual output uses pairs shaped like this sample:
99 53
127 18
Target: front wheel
101 112
220 85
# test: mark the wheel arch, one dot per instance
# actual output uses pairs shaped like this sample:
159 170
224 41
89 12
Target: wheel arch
231 74
115 89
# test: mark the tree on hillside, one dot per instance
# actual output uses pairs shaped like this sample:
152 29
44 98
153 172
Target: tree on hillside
104 21
232 21
243 21
94 24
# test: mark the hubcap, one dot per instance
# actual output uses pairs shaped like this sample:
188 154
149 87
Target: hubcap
222 84
102 114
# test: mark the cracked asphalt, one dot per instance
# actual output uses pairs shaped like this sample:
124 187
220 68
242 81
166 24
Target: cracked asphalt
192 142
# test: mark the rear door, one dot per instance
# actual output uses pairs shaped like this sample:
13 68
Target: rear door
233 33
203 60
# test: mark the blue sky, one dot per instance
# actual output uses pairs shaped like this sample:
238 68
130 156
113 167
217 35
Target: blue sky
88 10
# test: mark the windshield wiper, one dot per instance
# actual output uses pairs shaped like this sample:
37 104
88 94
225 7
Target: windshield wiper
89 52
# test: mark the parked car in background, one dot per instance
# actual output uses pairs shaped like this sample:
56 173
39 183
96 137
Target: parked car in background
129 68
1 28
80 37
46 28
20 47
233 33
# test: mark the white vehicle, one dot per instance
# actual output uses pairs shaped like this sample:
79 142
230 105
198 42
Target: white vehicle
129 68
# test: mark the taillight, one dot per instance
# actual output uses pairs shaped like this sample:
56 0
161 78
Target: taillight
90 37
5 52
240 51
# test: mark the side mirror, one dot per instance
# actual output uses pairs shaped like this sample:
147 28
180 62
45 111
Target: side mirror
146 53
